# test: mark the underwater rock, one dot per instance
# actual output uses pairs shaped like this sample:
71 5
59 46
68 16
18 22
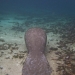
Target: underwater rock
21 55
0 54
14 47
18 55
1 67
2 40
3 47
23 51
7 74
36 62
52 48
7 57
15 55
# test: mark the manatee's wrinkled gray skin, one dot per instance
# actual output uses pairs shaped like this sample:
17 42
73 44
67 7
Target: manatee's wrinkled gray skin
36 62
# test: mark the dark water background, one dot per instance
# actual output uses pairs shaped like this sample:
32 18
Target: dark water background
65 7
60 14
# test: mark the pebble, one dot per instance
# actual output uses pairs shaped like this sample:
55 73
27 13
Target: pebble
7 57
1 67
0 54
7 74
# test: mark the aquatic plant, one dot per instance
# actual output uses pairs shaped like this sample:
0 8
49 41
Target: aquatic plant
18 27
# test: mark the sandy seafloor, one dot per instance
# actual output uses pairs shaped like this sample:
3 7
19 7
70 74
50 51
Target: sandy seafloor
13 51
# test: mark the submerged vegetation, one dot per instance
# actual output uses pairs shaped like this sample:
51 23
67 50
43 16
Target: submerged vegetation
67 31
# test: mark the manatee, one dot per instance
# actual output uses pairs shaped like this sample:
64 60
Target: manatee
36 62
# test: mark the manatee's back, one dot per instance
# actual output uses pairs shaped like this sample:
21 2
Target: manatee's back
36 66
